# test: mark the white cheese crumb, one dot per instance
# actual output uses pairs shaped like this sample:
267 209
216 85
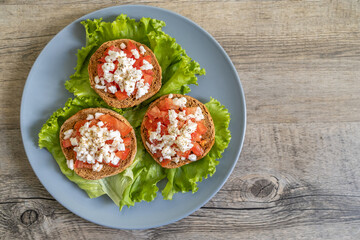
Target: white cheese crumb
112 89
97 79
181 102
70 164
100 124
90 117
146 65
97 167
68 134
198 114
192 157
142 50
99 86
122 46
135 53
97 115
74 141
170 95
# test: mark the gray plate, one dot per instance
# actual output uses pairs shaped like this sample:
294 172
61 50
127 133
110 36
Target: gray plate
44 93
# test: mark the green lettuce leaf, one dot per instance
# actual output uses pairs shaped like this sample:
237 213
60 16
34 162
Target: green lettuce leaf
185 178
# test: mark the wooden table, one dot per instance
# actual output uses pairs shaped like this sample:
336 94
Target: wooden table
299 172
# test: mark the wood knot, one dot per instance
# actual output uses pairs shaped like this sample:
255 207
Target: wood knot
29 217
260 188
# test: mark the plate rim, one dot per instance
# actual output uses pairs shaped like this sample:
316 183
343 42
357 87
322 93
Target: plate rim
229 62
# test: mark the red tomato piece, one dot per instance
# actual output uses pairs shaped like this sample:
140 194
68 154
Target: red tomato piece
100 71
153 113
102 59
121 95
112 48
150 125
66 143
165 162
167 104
109 141
147 58
128 53
138 63
148 78
80 164
123 154
190 110
127 141
201 128
197 149
130 46
196 137
116 66
115 124
184 154
112 165
78 125
93 122
181 124
149 72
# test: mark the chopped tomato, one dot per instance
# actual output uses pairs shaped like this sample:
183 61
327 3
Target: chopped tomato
148 79
116 66
109 141
78 125
153 113
197 149
128 53
109 84
123 154
201 128
115 124
138 63
184 154
112 48
80 164
131 46
150 125
121 95
164 117
190 110
149 72
66 143
127 141
112 165
167 104
196 137
123 128
100 71
165 162
181 124
146 58
93 122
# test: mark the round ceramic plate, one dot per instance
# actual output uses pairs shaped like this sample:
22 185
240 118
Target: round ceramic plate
44 93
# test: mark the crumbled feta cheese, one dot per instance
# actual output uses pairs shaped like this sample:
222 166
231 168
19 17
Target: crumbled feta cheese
181 102
192 157
97 167
112 89
97 79
70 164
97 115
74 141
68 133
135 53
142 88
198 114
142 50
90 117
170 95
108 67
100 124
146 65
168 152
99 86
122 46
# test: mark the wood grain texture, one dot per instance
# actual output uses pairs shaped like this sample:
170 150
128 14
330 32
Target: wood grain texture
298 176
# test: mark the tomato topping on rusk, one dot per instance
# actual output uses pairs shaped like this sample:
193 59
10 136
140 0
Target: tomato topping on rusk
124 73
97 143
177 130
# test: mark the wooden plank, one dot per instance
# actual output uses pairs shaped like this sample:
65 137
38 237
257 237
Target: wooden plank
298 174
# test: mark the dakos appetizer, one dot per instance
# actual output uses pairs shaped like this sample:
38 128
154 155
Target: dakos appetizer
177 130
97 143
124 73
